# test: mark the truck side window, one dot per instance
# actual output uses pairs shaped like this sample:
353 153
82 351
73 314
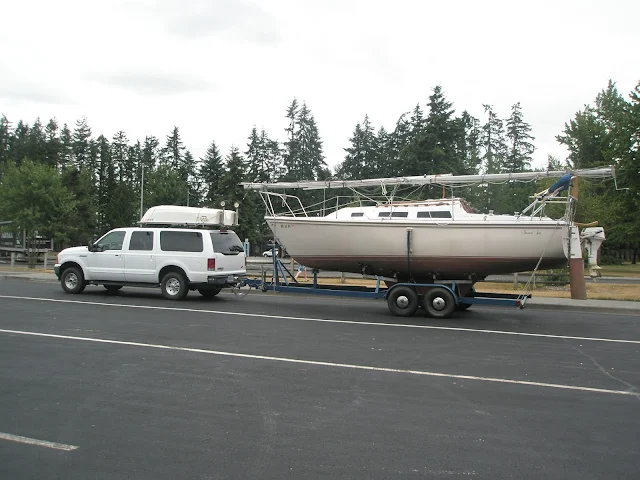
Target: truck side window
172 241
111 241
141 241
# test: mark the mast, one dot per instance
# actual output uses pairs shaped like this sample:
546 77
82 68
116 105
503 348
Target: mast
440 179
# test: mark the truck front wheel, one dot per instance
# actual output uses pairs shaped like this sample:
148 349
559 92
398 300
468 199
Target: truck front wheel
72 280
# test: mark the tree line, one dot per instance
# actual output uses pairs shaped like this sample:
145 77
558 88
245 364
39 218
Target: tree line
68 184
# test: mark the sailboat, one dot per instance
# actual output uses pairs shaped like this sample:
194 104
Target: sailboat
424 240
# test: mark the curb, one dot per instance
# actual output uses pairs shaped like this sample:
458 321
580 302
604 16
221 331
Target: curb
30 278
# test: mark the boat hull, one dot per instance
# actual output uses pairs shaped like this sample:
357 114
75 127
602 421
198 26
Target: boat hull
436 250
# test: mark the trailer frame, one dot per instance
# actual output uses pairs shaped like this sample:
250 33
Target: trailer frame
439 299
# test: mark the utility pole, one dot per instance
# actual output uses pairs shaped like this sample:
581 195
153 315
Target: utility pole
141 189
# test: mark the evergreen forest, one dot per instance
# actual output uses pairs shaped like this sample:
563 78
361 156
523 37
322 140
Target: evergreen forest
67 184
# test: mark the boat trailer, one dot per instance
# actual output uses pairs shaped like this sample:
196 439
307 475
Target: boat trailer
439 299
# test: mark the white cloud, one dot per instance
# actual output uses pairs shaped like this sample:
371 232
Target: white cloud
216 68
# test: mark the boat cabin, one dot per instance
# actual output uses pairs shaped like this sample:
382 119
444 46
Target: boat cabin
443 209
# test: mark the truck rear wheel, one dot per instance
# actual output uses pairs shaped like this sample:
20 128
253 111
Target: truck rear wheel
174 286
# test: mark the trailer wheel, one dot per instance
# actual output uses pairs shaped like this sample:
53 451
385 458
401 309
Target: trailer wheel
439 303
209 292
403 301
465 306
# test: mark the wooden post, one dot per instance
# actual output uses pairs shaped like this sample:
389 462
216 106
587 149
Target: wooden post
577 286
45 260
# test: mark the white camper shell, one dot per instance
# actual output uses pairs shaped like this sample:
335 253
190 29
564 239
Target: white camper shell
175 248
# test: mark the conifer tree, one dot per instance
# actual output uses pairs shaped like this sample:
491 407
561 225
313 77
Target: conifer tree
493 142
53 145
5 141
519 142
19 143
211 173
81 146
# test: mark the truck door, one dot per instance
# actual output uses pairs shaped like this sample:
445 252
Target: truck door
140 258
106 262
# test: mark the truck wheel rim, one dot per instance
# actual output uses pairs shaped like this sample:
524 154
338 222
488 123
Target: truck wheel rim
173 286
71 281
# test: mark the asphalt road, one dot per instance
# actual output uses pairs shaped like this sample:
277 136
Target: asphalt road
279 386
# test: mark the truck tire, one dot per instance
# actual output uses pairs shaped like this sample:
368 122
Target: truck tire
72 280
174 286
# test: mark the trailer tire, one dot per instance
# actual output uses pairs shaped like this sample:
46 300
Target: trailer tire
209 292
439 303
465 306
403 301
462 307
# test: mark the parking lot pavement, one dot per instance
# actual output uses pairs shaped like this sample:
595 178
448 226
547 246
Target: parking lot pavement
535 302
279 386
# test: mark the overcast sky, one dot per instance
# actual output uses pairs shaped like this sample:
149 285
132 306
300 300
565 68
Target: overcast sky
215 68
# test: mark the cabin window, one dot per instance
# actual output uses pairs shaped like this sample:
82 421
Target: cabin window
435 214
393 214
357 214
441 214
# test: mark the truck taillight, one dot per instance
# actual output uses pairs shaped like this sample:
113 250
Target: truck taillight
211 264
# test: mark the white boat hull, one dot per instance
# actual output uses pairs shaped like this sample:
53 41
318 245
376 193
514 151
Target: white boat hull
453 250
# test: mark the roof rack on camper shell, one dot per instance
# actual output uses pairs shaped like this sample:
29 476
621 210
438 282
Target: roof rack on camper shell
178 216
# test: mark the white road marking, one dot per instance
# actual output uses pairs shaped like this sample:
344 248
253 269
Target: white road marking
39 443
323 364
326 320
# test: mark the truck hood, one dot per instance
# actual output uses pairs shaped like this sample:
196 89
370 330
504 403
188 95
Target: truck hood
74 251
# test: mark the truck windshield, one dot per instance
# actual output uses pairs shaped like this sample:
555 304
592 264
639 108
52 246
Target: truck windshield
226 243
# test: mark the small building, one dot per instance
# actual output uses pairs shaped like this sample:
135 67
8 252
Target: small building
17 242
